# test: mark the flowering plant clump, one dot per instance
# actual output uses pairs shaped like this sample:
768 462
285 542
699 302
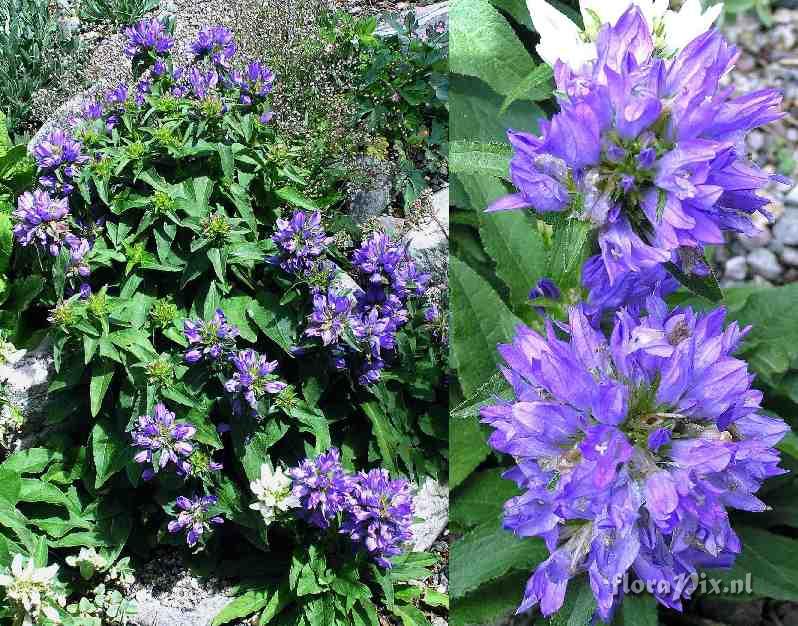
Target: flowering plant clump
322 487
183 236
639 450
372 509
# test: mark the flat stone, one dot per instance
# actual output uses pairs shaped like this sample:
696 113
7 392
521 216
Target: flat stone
432 510
786 229
764 263
736 268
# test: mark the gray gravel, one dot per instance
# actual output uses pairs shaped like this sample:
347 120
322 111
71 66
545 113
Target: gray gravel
769 58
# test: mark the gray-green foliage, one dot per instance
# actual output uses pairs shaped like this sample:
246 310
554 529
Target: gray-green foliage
34 53
120 12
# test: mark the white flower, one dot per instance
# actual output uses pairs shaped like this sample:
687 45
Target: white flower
32 589
561 39
273 491
688 23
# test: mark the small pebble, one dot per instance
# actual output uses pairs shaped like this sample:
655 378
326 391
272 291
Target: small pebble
764 263
736 268
789 256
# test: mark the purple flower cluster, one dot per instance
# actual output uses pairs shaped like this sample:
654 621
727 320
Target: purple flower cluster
389 279
216 43
196 517
58 157
252 379
380 515
209 340
649 151
255 83
302 242
43 216
330 317
374 511
323 487
631 448
148 38
163 441
43 219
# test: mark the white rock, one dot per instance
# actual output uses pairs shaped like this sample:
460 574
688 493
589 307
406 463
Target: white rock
432 509
435 232
792 196
786 229
736 268
427 16
789 256
764 263
25 376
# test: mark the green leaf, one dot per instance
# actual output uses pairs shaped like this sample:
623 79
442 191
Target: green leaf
6 242
30 461
273 319
256 449
387 437
490 603
467 449
537 86
484 45
772 344
110 450
639 610
480 320
512 240
475 113
706 286
481 498
489 552
101 374
471 157
768 563
243 606
517 9
292 196
568 251
410 615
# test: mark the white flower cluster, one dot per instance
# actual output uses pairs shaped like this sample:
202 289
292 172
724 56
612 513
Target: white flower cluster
561 39
34 591
273 491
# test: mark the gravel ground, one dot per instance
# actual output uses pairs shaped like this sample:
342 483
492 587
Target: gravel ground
769 58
